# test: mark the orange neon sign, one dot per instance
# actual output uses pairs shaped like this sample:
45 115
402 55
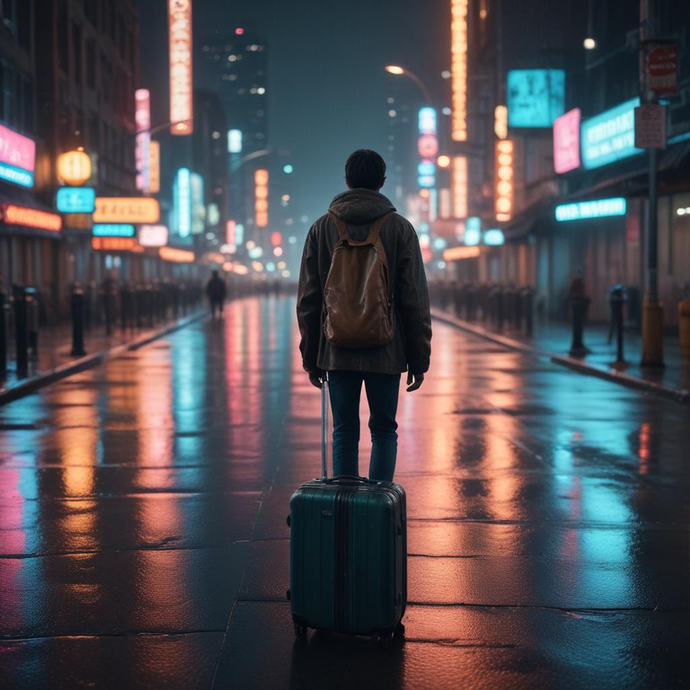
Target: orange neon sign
126 210
180 31
30 217
113 244
178 256
460 253
261 197
504 179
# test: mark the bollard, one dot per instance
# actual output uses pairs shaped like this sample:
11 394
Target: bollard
77 305
21 332
684 326
617 299
4 330
578 306
31 298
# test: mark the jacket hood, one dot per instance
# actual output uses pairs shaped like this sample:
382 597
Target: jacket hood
360 206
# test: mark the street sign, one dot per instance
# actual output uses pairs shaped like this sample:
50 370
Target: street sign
650 127
662 68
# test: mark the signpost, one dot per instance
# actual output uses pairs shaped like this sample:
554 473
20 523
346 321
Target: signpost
662 68
650 126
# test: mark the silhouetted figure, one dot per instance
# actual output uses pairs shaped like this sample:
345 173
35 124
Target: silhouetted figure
359 222
215 291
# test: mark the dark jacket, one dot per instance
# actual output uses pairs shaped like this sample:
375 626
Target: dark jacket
411 345
215 289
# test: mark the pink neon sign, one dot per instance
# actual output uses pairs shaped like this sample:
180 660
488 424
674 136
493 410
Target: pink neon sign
566 142
142 99
17 150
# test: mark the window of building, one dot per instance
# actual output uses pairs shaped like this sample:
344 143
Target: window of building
63 36
24 28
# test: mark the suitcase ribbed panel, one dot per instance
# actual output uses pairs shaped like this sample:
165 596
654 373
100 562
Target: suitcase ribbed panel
348 556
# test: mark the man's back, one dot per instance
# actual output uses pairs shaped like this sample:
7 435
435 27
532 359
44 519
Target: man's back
410 347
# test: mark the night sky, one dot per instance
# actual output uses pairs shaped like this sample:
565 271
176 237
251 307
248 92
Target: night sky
327 87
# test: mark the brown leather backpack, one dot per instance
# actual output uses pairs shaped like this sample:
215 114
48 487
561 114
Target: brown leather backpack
358 305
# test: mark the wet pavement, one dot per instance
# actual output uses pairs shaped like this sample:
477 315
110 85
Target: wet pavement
143 541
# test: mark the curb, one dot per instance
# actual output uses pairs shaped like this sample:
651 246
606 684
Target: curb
27 386
678 395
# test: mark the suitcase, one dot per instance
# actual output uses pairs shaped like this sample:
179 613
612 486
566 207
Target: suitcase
348 553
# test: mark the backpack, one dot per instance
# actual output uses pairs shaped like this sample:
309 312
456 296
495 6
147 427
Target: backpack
358 306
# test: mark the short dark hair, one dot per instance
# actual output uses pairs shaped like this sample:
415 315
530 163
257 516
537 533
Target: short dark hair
365 169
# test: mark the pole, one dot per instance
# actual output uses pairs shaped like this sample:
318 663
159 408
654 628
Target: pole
653 311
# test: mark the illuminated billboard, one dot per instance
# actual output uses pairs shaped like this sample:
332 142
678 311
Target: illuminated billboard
142 118
76 200
178 256
504 170
17 157
587 210
261 197
458 26
126 210
153 235
234 141
113 244
30 217
180 32
459 186
566 142
113 230
198 206
536 97
610 136
182 203
154 167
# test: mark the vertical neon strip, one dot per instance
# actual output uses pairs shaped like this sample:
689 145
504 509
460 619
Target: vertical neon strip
142 115
180 29
459 68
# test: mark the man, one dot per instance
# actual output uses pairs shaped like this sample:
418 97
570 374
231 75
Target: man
215 290
378 368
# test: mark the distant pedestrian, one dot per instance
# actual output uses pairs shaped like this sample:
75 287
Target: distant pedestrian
363 313
215 291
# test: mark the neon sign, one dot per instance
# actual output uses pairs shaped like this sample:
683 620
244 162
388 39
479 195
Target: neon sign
460 253
126 210
180 29
154 167
504 179
198 207
459 9
142 117
536 97
76 200
113 230
234 141
261 197
153 235
17 157
566 142
610 136
473 231
587 210
493 237
113 244
30 217
182 203
178 256
459 178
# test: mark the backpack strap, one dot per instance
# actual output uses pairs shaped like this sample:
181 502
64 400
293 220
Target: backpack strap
376 229
342 228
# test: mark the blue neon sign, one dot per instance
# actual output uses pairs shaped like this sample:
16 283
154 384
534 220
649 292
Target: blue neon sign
587 210
426 173
610 136
11 173
182 203
536 97
76 200
113 230
493 237
473 231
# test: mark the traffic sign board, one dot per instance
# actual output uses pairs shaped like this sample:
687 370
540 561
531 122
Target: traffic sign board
650 127
662 68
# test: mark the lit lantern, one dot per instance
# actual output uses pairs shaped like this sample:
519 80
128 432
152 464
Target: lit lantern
74 168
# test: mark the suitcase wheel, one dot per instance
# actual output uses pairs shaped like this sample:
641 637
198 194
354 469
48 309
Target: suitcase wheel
300 631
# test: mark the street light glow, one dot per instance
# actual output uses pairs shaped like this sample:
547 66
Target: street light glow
394 69
589 44
443 161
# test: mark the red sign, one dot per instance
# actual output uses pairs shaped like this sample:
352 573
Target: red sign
30 217
662 69
113 244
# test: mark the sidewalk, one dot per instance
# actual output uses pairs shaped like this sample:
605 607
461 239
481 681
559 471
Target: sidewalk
55 361
553 340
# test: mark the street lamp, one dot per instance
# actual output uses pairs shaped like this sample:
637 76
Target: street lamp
397 70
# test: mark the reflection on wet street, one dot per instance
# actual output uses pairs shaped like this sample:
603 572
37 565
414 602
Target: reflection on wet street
143 540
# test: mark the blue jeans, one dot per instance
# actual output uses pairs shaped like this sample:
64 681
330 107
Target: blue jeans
382 394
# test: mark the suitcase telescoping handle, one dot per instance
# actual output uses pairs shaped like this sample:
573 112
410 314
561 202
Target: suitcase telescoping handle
324 428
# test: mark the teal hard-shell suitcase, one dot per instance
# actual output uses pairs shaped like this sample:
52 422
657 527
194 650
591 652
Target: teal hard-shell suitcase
348 554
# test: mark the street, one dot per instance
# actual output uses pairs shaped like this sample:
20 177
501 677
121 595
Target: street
144 541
